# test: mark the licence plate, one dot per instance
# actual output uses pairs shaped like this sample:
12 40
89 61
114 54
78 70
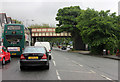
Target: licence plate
35 57
13 53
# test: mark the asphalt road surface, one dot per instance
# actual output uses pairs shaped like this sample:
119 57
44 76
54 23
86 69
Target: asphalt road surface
65 66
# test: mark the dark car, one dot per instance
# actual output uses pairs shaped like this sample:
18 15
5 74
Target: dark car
64 48
34 56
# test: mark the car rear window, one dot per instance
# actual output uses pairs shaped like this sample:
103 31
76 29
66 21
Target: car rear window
34 50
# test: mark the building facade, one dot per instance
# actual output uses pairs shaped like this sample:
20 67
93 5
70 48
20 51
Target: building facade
9 20
3 20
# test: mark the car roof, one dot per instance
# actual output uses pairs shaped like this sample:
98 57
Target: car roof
42 42
35 47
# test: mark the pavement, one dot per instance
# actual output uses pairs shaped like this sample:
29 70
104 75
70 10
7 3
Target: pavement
105 56
112 57
88 53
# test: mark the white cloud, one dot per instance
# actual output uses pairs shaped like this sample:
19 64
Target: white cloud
41 0
44 11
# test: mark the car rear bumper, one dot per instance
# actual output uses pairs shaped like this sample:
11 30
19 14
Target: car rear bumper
34 62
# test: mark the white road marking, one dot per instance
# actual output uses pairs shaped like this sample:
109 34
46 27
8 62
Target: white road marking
52 57
58 75
54 63
74 62
18 62
77 63
59 78
74 71
92 71
80 65
106 77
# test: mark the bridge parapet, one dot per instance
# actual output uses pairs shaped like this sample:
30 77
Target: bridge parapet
48 32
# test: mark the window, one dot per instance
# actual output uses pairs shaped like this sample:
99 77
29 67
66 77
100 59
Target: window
43 29
13 27
14 40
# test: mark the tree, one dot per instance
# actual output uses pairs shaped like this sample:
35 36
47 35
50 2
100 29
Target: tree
98 29
40 26
67 22
117 32
17 21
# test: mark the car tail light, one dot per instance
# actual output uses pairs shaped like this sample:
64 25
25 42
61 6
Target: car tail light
22 48
22 57
44 57
49 51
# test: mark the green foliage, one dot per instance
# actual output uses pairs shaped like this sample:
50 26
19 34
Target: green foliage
67 19
17 21
40 26
98 29
67 22
117 32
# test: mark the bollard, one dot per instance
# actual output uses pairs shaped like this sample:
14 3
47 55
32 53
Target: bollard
104 51
108 52
117 53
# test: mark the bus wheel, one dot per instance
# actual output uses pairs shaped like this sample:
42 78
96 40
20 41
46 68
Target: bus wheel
3 61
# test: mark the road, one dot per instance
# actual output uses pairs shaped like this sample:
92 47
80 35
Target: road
65 66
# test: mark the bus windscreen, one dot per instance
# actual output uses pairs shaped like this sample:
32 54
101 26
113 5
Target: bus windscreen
13 27
14 40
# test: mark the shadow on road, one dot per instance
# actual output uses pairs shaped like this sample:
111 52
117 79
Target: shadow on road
34 69
15 56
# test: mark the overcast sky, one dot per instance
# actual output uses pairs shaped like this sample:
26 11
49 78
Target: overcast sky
44 11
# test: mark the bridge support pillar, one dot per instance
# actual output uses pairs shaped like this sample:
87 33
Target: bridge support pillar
78 43
33 41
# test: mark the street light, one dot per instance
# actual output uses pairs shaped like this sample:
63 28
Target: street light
29 29
27 20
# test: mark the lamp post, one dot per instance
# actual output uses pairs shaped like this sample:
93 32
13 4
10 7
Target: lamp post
27 22
29 29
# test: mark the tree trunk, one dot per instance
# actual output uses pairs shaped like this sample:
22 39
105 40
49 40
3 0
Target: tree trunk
78 43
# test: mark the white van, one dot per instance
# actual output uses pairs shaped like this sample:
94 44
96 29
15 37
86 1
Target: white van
46 45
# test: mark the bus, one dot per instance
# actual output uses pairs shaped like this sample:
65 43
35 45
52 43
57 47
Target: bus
14 38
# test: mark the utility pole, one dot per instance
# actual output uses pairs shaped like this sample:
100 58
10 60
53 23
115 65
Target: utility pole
28 21
30 32
0 33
